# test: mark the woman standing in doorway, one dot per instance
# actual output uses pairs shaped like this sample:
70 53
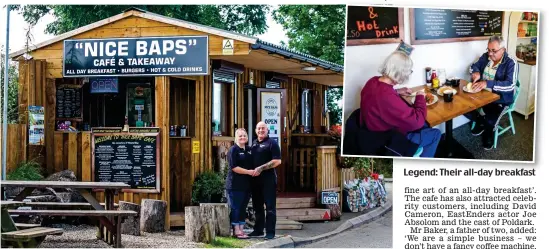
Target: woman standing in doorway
238 181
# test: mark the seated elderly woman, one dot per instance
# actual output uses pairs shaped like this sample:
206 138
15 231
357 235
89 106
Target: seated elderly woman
382 108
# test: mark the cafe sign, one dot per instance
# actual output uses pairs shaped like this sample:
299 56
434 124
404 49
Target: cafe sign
174 55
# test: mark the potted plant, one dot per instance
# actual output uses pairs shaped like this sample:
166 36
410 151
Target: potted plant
208 188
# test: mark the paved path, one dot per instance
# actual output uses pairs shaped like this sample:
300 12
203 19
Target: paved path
378 234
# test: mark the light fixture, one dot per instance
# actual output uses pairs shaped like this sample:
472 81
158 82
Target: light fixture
308 68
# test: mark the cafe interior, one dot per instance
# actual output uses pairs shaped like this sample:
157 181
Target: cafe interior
451 57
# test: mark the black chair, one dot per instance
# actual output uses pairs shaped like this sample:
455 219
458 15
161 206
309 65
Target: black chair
358 140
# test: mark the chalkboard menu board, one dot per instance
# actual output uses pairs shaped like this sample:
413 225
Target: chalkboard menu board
69 102
129 158
374 25
447 25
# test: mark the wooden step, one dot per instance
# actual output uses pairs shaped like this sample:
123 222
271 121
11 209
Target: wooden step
298 202
285 224
22 226
177 219
300 214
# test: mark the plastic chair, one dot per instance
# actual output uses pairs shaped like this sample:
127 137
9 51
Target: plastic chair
499 130
418 152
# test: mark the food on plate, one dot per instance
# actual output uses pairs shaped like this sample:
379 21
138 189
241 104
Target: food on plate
429 98
445 88
470 87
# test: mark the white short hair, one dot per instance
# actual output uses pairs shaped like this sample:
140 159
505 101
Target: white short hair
499 39
397 66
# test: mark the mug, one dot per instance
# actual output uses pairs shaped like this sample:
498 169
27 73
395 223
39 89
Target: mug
448 96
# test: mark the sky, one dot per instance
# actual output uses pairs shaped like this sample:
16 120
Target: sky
18 27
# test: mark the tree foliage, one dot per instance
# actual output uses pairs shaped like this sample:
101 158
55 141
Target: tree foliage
245 19
13 86
318 30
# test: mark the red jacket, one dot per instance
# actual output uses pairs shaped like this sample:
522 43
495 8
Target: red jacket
382 109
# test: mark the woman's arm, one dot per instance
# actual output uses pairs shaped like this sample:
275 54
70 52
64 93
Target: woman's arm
242 171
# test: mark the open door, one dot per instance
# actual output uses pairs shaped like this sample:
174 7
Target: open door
272 111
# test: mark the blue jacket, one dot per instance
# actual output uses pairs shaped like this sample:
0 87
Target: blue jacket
505 79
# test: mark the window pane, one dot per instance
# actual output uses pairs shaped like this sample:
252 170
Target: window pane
219 109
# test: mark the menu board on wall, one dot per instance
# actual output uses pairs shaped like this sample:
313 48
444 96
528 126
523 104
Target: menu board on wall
374 25
447 25
68 102
129 158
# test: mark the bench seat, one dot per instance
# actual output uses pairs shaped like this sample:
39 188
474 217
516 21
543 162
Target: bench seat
28 234
62 204
26 225
74 212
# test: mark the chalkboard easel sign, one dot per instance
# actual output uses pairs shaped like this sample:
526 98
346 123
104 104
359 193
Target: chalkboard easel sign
131 158
374 25
450 25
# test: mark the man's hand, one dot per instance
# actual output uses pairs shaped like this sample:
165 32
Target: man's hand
479 85
405 91
256 171
475 76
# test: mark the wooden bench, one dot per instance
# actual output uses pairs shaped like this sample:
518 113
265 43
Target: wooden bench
62 204
74 212
21 226
27 238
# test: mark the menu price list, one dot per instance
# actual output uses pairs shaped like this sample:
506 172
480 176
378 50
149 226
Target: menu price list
130 159
445 23
68 102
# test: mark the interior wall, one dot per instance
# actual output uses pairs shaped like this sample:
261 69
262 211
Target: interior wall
362 63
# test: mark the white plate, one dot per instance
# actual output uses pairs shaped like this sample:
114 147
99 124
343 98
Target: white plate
467 91
434 102
442 94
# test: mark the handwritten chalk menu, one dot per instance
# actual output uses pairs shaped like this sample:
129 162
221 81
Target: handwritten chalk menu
447 25
129 158
68 101
374 25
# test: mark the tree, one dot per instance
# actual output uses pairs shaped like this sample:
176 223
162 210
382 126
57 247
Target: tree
13 86
245 19
318 30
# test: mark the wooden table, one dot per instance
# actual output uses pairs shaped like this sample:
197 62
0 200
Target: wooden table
443 112
85 189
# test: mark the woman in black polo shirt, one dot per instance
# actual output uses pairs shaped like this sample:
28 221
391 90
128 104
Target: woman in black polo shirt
238 181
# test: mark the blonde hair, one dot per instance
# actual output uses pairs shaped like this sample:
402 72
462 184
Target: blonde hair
397 66
242 130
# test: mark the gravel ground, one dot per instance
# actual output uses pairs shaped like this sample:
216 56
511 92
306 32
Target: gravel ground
84 236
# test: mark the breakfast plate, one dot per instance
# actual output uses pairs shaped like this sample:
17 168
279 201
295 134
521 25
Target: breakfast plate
441 90
466 89
430 99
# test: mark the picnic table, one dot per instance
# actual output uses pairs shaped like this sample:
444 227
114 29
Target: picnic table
109 218
445 112
23 238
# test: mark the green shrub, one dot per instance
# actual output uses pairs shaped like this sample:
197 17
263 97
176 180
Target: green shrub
208 188
26 171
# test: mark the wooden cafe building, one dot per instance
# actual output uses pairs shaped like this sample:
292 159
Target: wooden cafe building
154 101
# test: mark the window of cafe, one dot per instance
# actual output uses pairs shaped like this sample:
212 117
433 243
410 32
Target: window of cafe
104 102
223 84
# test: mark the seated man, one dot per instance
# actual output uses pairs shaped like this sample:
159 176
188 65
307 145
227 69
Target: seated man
495 70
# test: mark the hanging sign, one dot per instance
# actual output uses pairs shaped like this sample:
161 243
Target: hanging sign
104 85
177 55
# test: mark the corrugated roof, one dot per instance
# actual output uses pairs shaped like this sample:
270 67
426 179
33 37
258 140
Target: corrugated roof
290 53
